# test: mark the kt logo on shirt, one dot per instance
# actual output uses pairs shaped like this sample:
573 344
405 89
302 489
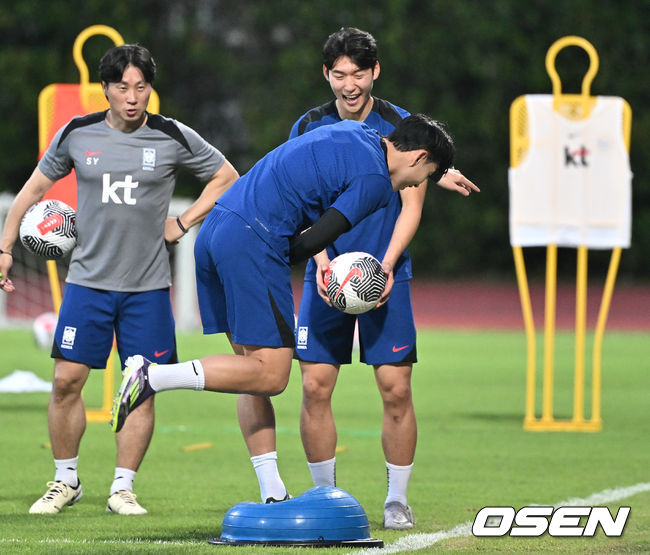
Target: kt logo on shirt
111 191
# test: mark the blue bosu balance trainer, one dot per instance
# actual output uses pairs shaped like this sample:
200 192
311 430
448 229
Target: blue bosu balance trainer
323 516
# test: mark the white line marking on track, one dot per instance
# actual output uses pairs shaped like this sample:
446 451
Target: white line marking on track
413 542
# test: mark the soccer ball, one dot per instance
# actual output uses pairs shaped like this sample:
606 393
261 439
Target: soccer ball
48 229
43 328
355 282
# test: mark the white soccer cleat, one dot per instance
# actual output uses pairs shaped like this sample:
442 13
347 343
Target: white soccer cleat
134 390
398 516
56 497
123 503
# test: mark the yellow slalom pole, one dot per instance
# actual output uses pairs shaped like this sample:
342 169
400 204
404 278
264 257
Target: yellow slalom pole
103 413
600 332
581 325
55 287
549 332
529 325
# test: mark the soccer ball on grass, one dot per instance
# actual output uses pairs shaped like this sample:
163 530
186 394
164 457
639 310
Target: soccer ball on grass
355 282
48 229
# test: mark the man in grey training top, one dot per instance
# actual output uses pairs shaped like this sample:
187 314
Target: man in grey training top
126 161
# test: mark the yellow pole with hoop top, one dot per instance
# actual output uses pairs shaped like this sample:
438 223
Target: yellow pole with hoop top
580 105
576 107
77 47
90 90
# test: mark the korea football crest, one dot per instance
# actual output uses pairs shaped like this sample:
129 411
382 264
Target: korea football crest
69 335
303 334
148 159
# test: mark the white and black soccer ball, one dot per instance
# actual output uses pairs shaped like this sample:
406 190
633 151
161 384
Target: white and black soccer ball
43 327
355 282
48 229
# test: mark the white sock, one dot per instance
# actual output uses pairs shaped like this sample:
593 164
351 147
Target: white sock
323 473
66 471
266 468
398 481
123 479
183 375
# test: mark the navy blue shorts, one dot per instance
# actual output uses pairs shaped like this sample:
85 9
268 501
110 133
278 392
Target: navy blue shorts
243 285
142 323
386 335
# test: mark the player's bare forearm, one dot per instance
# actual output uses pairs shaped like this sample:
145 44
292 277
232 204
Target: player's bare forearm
403 232
33 190
406 224
321 258
454 180
218 184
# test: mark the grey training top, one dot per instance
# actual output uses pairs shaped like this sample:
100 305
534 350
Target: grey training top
125 182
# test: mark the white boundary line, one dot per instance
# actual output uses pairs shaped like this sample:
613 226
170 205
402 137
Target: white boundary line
132 542
413 542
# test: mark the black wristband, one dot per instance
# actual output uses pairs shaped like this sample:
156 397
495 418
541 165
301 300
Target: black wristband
6 252
180 224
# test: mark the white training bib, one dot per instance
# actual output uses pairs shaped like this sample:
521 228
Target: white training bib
574 184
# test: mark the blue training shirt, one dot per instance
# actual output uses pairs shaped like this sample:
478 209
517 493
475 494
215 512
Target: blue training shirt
373 234
342 166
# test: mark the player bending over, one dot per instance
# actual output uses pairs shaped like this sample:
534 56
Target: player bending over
296 200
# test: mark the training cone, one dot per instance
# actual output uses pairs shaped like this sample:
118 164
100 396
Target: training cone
323 516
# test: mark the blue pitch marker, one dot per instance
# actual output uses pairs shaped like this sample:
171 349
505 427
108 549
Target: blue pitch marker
323 516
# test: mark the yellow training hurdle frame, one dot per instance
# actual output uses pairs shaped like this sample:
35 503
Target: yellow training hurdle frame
57 104
576 107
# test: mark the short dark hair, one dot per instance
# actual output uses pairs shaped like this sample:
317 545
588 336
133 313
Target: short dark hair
360 46
118 58
420 131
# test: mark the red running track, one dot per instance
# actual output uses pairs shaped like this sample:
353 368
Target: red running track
479 305
474 305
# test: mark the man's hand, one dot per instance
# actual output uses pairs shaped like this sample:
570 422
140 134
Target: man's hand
390 280
453 180
323 265
6 260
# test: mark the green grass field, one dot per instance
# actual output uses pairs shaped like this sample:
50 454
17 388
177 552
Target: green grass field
472 452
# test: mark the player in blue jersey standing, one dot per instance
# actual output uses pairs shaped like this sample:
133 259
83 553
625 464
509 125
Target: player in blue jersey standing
296 200
325 335
126 161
